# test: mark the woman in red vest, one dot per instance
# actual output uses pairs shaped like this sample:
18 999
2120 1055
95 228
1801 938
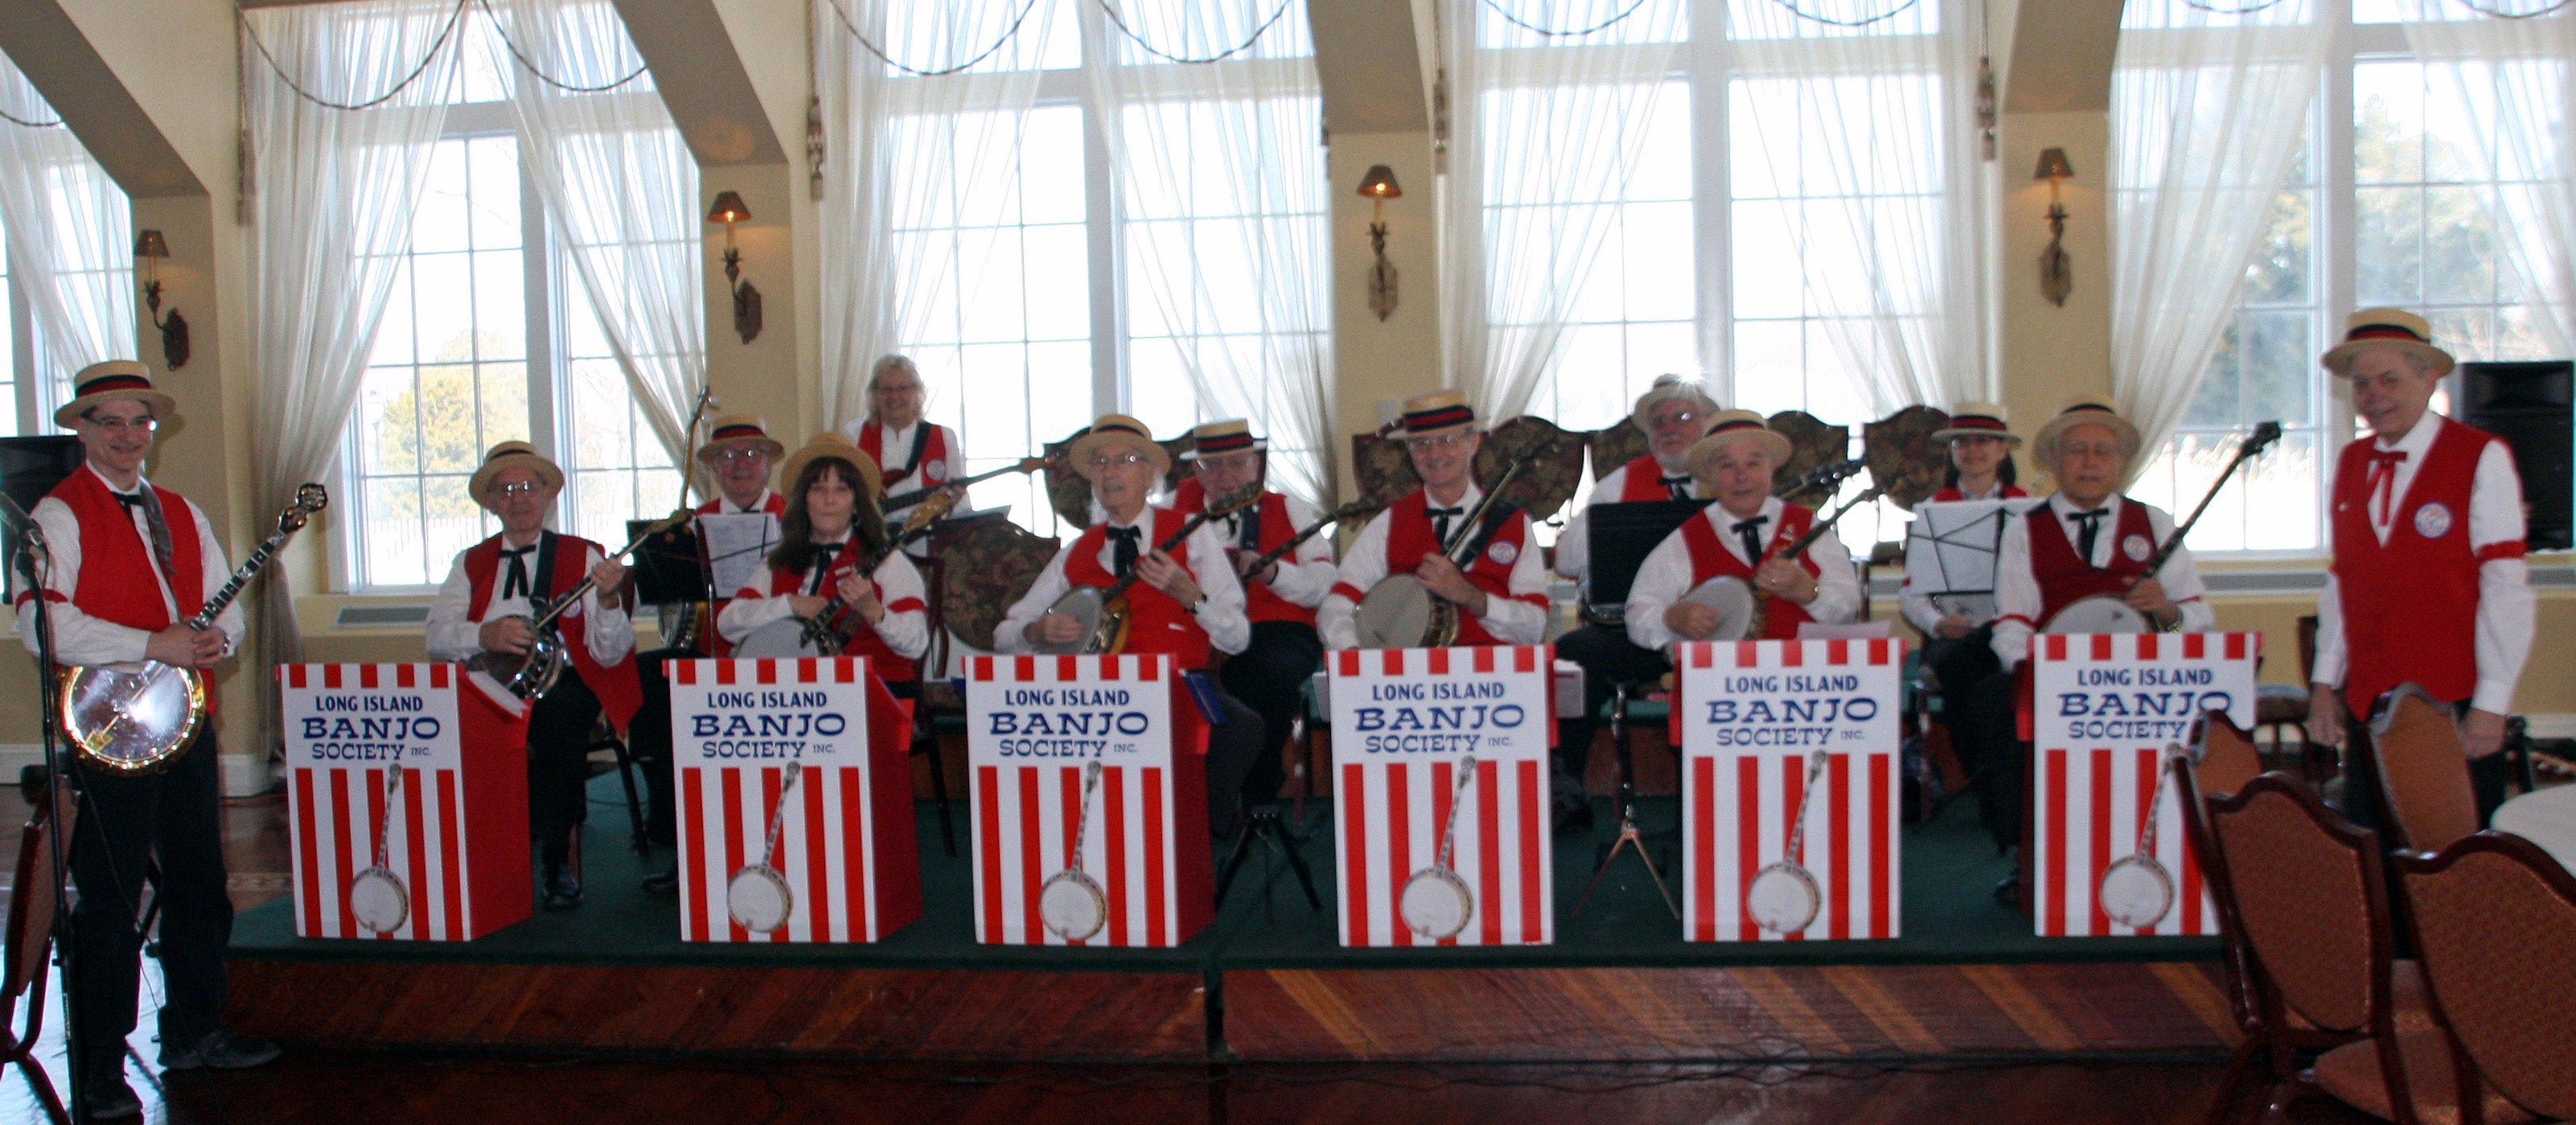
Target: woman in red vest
831 533
911 452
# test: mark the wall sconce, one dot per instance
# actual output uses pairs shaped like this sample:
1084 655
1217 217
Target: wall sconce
1379 186
2056 274
151 247
729 210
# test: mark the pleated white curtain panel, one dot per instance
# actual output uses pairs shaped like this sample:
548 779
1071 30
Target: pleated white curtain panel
71 238
2206 114
1544 131
332 193
1226 215
621 193
2513 80
905 150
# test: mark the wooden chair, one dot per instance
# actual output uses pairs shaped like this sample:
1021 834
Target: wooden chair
2306 893
2482 908
2423 772
32 899
2227 756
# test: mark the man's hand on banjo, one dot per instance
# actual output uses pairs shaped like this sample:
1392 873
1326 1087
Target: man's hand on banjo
1691 620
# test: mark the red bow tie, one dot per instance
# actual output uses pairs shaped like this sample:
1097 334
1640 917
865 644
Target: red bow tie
2382 483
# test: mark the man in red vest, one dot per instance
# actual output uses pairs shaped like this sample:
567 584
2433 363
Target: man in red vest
491 592
1742 536
913 453
2087 540
1673 414
1501 590
2428 585
129 562
1284 651
1190 606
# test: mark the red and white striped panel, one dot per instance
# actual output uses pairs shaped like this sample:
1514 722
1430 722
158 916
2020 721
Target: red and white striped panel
1026 817
1051 670
2151 648
808 670
2087 808
826 849
1502 848
337 815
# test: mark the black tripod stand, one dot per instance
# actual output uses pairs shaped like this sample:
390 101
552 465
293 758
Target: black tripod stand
29 561
1629 835
1265 825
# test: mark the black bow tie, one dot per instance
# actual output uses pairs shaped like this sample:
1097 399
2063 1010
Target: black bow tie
1749 533
515 584
1679 486
1440 518
130 500
1125 546
2090 534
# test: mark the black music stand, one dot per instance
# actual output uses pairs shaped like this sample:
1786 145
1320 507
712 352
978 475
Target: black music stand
1620 537
669 568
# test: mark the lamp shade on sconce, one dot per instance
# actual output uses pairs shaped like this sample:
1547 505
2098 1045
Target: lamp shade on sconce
150 244
728 208
1379 183
2053 165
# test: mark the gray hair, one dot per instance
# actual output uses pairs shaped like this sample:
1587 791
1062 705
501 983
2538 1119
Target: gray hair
877 372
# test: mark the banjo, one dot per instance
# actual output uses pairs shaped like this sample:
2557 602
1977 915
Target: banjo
1069 902
1783 897
1743 609
2136 890
757 896
946 491
530 675
377 896
1102 610
1401 612
1363 506
2109 613
132 718
827 632
1436 903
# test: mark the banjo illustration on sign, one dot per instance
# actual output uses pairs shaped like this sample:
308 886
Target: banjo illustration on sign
1436 903
757 896
2136 890
1783 898
377 897
1070 903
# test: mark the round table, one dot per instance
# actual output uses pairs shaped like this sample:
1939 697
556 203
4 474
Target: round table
2545 817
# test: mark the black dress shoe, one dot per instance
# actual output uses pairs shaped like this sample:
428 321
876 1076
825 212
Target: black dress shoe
111 1100
1572 813
562 888
220 1049
664 882
2008 891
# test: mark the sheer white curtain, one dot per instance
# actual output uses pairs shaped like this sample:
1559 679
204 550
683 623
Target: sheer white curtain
2206 114
1222 173
71 238
905 151
621 192
2513 79
1543 133
332 196
1876 127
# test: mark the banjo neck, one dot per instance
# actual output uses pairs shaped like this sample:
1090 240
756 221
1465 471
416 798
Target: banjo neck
2264 435
1460 535
1024 465
309 499
1358 507
1798 547
572 597
1226 505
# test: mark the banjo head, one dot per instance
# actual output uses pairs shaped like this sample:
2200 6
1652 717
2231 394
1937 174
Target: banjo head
758 899
1082 604
378 901
1395 614
783 639
131 718
1436 904
2101 613
2136 891
1071 906
1732 598
1783 899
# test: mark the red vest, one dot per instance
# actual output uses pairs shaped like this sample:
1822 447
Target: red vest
615 684
1155 622
711 640
115 583
889 665
1409 541
1260 602
1645 481
935 465
2410 606
1952 494
2063 577
1709 558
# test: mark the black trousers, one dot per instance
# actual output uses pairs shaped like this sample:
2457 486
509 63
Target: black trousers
1961 664
1270 676
559 727
124 822
648 741
2488 778
1234 747
1987 737
1608 659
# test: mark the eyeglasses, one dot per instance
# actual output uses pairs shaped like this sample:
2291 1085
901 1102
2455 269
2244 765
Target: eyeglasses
142 425
742 456
516 488
1444 441
1672 418
1117 460
897 390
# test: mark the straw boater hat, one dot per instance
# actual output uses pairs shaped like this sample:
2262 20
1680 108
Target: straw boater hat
1437 413
513 455
113 379
1216 439
1671 387
830 443
1978 419
2083 410
731 430
1734 427
2385 328
1120 430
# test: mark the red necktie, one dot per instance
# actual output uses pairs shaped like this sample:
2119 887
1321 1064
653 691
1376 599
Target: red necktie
2382 484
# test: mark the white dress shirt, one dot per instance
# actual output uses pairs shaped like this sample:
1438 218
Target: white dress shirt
1511 620
1666 575
2017 590
452 635
2508 611
897 445
1221 616
1305 574
906 632
1574 546
1916 605
80 639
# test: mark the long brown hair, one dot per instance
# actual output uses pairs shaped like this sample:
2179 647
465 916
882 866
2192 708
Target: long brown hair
795 550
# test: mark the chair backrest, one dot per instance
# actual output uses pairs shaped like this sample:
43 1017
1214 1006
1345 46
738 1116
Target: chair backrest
32 899
2313 902
2423 772
2494 917
2227 757
983 570
2236 962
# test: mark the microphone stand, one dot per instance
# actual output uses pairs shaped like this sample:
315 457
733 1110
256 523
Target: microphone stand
31 558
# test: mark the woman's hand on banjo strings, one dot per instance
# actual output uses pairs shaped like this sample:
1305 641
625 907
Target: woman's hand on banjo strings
1440 576
508 634
806 605
1053 629
1782 578
1691 620
861 596
1158 570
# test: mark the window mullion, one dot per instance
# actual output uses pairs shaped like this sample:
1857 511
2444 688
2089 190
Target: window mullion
1711 193
546 423
1102 222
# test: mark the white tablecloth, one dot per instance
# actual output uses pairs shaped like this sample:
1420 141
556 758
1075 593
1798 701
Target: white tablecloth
2546 817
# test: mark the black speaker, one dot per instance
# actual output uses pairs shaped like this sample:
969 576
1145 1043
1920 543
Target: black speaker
30 467
2532 406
